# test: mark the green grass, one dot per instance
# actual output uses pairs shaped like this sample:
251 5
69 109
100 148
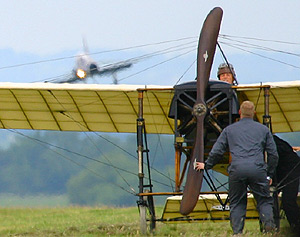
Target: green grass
12 200
88 221
71 221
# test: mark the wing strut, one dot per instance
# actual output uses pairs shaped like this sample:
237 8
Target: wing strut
144 202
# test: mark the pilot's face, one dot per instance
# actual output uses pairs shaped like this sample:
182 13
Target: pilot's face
227 77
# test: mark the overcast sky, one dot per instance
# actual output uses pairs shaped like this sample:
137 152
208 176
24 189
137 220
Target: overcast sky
40 30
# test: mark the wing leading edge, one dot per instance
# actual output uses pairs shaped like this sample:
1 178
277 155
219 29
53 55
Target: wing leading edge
77 107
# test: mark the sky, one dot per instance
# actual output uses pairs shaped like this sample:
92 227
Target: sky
38 30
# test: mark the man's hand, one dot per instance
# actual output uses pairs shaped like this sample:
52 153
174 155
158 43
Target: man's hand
296 148
270 180
199 166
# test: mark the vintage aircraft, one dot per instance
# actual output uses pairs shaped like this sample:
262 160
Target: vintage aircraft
203 107
86 67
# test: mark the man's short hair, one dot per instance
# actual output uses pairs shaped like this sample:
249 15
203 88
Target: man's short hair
247 109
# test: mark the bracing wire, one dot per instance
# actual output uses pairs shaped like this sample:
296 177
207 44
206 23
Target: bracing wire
83 126
162 149
103 155
157 64
258 97
238 45
133 60
185 72
258 39
278 187
224 36
46 144
161 52
255 46
221 185
235 82
96 53
262 56
116 145
159 172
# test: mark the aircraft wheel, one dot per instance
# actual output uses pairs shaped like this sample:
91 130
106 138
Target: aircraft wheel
152 213
276 210
143 220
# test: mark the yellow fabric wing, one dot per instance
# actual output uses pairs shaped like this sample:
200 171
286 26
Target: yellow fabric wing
83 107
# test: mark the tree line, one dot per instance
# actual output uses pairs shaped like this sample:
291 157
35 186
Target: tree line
90 168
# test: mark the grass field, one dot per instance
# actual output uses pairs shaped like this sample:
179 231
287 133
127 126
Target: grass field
11 200
88 221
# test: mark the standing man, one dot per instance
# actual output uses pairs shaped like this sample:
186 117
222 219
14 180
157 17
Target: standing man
247 142
226 73
287 174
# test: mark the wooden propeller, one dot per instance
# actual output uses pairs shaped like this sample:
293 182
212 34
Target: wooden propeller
206 51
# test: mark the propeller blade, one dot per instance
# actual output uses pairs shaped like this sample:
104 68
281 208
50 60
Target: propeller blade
206 51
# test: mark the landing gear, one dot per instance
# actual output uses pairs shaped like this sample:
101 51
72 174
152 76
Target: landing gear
145 202
276 210
147 213
143 216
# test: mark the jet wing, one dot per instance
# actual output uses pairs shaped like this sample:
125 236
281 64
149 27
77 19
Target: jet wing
71 79
83 107
112 68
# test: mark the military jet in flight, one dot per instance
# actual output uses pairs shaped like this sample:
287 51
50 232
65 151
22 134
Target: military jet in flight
86 67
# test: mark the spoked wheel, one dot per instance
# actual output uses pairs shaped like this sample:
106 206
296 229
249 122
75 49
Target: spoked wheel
142 205
151 213
143 219
147 212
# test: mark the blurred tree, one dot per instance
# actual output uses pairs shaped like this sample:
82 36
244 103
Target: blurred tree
30 165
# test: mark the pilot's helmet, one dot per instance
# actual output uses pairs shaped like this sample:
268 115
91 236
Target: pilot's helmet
225 68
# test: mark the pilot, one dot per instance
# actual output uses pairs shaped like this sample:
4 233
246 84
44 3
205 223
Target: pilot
287 173
226 73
